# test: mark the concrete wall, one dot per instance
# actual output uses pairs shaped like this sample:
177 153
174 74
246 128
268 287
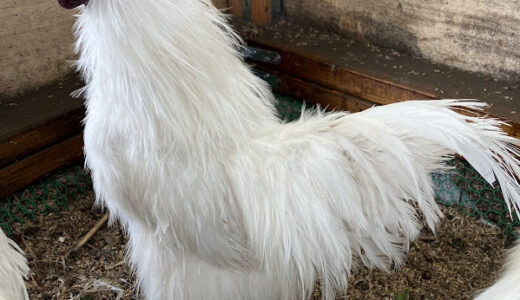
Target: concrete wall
36 43
475 35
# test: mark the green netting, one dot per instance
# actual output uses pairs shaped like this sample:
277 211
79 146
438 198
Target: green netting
464 188
49 195
289 109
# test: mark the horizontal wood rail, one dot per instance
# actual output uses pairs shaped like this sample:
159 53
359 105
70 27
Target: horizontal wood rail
21 173
315 78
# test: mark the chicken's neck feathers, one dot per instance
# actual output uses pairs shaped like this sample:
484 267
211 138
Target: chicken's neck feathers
169 70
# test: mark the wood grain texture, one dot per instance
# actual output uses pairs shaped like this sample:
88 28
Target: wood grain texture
31 168
322 73
261 11
40 137
316 94
236 7
314 68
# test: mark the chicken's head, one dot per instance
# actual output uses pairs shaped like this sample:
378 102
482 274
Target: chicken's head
72 3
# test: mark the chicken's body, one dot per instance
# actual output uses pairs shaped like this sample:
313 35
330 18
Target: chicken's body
13 270
222 200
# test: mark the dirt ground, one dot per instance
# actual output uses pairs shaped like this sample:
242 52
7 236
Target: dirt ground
463 257
98 270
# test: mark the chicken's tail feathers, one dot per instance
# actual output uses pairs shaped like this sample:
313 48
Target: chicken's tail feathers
13 270
348 186
480 140
392 150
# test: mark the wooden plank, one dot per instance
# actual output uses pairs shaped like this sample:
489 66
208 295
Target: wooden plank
343 52
334 100
27 170
316 94
236 7
261 11
316 69
40 137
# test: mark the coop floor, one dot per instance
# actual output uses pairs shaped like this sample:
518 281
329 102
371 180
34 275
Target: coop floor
463 257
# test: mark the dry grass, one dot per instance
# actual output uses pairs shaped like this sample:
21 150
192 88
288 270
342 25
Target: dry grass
461 258
96 271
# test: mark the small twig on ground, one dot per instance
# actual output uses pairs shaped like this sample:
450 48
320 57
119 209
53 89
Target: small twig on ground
91 233
28 248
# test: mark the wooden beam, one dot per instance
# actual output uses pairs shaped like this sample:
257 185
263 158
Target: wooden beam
40 137
317 70
31 168
236 7
316 94
335 100
261 12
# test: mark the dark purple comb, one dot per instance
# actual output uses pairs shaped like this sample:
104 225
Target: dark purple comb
69 4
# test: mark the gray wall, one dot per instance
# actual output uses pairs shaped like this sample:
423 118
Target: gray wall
36 43
475 35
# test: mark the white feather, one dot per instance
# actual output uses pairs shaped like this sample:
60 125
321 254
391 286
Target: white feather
222 200
13 270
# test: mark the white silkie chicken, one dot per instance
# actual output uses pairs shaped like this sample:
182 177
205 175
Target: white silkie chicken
13 270
222 200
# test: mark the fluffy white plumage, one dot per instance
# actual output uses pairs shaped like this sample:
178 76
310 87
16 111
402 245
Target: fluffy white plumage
13 270
221 200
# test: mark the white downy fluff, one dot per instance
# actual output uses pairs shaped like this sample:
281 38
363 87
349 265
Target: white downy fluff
13 270
221 200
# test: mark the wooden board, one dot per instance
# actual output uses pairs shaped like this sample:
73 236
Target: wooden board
317 70
40 132
33 167
339 52
41 136
261 11
316 94
236 7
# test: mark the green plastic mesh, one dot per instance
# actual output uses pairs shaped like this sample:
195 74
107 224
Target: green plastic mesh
466 189
50 195
463 188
